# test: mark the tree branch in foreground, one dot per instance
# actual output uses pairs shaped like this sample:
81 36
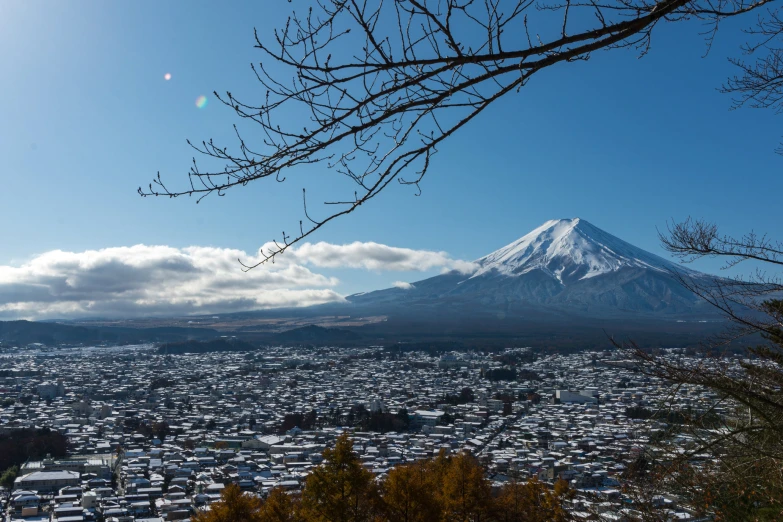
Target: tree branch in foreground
370 89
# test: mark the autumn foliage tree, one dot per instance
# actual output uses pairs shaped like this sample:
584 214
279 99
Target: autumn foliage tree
443 489
410 493
234 506
340 490
281 507
465 492
532 501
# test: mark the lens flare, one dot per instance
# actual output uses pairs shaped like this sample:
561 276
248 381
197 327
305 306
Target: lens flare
167 76
201 102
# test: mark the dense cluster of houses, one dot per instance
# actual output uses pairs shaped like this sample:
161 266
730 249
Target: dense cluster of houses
156 437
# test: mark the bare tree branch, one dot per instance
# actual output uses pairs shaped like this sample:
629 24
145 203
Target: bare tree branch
370 89
744 443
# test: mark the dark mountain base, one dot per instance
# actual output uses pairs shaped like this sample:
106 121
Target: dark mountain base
542 329
568 336
21 333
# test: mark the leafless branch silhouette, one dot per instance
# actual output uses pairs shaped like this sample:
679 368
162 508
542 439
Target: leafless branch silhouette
371 89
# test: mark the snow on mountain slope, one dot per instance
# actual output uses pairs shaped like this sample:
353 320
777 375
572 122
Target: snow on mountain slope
566 266
569 250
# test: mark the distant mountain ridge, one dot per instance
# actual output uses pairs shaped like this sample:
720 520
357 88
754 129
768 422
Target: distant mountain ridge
565 267
25 332
314 334
566 284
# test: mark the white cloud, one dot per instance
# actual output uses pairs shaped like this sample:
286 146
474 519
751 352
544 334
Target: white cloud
375 256
162 280
152 280
402 285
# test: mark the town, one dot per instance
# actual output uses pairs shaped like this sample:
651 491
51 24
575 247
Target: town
153 436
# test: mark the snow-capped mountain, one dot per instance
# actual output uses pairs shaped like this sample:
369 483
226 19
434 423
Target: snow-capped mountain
566 266
569 250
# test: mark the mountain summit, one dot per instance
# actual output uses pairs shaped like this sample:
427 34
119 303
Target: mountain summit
569 250
565 267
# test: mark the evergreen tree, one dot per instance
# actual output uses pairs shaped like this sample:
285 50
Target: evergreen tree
234 506
411 494
530 502
340 490
280 507
9 476
443 489
466 492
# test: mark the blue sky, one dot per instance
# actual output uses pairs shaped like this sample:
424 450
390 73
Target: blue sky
86 116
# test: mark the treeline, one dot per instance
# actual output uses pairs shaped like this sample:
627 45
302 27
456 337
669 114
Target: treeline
305 421
465 396
440 489
19 445
358 417
215 345
314 335
511 374
26 332
685 417
432 348
157 429
378 421
501 374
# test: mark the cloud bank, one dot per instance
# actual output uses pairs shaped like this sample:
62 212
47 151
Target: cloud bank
375 256
162 280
